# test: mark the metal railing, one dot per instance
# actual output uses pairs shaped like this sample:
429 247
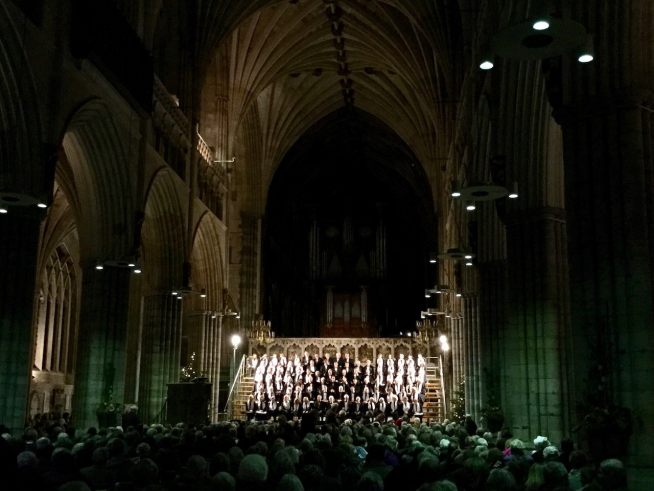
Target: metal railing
236 383
438 362
440 369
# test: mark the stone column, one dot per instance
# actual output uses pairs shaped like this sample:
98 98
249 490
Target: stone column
535 375
492 316
162 336
18 251
249 272
205 341
101 342
609 183
472 351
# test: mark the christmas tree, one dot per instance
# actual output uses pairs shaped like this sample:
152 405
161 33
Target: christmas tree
188 371
458 408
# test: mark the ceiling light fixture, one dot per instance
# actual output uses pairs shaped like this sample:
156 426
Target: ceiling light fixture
540 24
586 53
513 194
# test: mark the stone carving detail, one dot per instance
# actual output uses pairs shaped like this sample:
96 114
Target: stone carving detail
366 352
293 348
361 348
276 349
403 348
330 350
348 348
259 349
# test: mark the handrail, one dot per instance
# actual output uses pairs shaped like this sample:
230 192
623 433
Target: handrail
229 409
431 359
440 366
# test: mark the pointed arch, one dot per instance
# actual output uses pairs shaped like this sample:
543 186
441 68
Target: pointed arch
22 164
97 160
163 233
207 258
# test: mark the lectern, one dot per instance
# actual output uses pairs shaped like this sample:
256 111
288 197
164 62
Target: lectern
188 403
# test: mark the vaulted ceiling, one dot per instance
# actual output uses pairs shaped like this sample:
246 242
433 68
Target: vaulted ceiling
283 66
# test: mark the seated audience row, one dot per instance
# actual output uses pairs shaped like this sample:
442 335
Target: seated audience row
337 454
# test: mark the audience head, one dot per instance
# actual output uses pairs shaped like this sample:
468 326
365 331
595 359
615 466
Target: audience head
224 481
612 474
289 482
253 469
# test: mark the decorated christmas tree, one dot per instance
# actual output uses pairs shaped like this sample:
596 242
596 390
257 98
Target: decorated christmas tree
188 371
458 408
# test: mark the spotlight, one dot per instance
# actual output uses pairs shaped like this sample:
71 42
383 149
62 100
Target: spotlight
486 63
427 294
42 205
468 263
3 211
173 293
456 189
99 267
131 265
203 293
540 24
137 271
468 256
513 194
585 54
585 58
470 206
458 294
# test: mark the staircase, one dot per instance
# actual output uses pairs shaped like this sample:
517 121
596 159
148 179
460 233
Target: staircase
434 406
243 391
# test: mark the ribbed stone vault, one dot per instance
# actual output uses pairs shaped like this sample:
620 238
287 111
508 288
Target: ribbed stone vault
291 64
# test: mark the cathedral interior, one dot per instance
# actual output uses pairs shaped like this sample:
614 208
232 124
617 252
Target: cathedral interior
175 171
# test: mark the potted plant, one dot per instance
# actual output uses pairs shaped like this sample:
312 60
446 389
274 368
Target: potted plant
493 418
605 431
